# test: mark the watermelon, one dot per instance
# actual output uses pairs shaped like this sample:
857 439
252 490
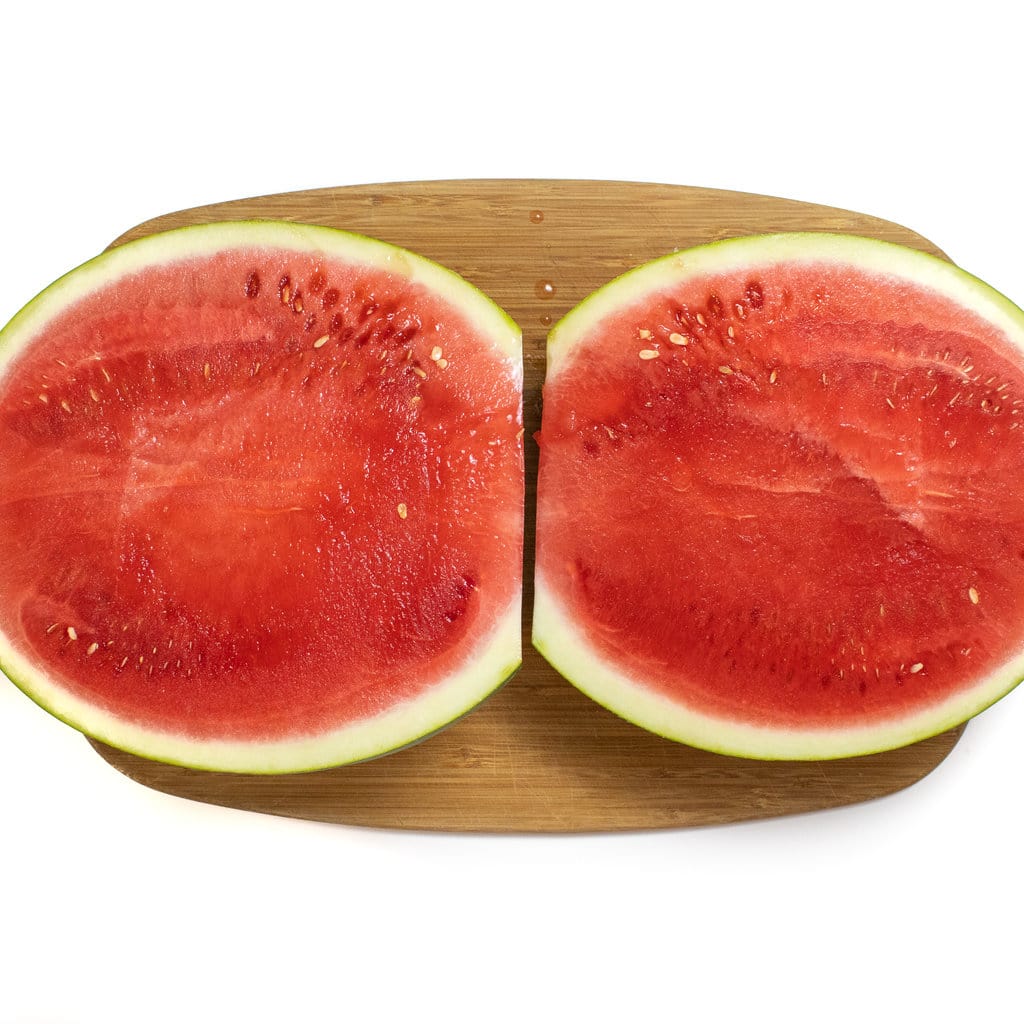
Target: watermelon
263 497
779 503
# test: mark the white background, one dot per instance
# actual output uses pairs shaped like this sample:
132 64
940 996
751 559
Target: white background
120 904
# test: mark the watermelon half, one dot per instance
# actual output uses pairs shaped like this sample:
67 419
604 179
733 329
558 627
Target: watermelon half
262 497
780 509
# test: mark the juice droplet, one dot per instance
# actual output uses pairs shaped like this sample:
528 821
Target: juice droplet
545 320
544 289
536 216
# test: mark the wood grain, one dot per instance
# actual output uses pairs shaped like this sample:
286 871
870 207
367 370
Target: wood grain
538 756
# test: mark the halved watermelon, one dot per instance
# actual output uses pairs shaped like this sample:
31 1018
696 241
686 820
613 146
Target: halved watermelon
780 510
262 497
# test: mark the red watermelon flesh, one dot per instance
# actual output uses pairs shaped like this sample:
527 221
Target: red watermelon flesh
780 510
261 485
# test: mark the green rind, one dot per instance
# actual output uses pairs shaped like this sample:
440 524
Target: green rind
485 671
565 646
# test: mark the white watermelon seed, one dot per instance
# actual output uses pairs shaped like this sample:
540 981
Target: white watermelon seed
402 510
973 595
72 633
93 648
648 353
320 342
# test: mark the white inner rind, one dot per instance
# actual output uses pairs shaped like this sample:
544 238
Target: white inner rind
565 644
483 671
498 654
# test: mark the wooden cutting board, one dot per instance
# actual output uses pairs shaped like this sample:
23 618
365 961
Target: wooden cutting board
539 756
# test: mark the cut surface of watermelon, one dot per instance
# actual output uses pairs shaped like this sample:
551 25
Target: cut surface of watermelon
779 511
263 492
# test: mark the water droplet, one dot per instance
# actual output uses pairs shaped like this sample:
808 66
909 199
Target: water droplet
544 289
545 320
536 216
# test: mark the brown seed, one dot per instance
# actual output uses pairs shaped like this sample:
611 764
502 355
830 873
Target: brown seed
320 342
648 353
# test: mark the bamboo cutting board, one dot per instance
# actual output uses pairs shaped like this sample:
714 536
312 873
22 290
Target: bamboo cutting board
539 756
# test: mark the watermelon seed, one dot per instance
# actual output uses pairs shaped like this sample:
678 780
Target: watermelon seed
678 339
881 610
284 289
645 335
321 341
92 648
72 633
731 332
50 629
973 595
701 320
421 373
64 405
94 394
824 380
442 364
124 661
888 402
206 371
403 512
44 399
648 353
435 353
935 387
725 369
297 304
915 668
103 370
